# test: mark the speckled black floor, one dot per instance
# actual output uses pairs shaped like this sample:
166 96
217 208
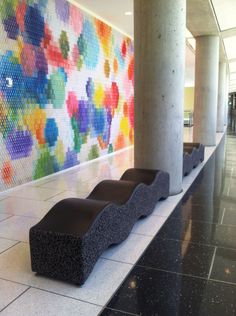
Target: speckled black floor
190 266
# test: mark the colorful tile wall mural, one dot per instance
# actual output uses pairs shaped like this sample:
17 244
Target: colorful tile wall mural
66 89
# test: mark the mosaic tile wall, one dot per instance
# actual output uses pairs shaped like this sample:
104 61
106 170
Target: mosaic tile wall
66 89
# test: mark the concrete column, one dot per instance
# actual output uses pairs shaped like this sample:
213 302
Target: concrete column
159 39
206 89
221 97
226 99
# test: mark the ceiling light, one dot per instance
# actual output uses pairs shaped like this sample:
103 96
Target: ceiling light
128 13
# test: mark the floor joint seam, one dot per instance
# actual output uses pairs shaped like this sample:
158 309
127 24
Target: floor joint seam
118 310
173 272
223 215
212 263
2 220
10 247
66 296
16 298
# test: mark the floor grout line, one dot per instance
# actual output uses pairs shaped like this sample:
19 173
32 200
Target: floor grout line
29 199
223 215
16 298
197 243
117 310
1 237
173 272
10 247
224 282
212 263
27 216
48 200
49 291
66 296
2 220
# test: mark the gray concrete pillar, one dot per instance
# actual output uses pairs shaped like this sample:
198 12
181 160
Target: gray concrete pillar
206 89
226 99
159 39
221 97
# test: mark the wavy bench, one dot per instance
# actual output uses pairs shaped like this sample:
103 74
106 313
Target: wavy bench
193 155
200 149
187 164
68 241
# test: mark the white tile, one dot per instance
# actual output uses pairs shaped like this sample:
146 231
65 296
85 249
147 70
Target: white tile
9 292
106 276
88 186
164 208
116 173
129 250
6 243
41 303
92 183
68 194
24 207
149 226
43 181
175 198
4 216
85 174
63 184
35 193
3 195
17 227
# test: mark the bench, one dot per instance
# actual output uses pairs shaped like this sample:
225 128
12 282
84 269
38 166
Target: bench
68 241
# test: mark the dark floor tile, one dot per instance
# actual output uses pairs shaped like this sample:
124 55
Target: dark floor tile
230 201
202 196
199 232
222 203
230 177
178 256
205 212
224 266
230 217
151 292
110 312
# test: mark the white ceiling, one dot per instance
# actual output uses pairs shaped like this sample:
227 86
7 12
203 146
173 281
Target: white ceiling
203 17
112 11
225 11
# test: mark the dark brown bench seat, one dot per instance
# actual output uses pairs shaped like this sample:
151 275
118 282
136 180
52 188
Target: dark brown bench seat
68 241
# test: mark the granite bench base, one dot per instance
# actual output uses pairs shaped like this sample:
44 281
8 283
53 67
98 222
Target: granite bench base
68 241
192 156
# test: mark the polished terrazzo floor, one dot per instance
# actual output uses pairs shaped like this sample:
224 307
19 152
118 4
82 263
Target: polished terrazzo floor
189 268
169 269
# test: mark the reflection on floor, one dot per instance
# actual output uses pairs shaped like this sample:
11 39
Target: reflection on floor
189 268
193 246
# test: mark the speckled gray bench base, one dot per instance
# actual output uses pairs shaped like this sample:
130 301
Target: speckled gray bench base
193 155
68 241
187 164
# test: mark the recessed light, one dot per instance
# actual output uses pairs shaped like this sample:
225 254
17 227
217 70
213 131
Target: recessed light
128 13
